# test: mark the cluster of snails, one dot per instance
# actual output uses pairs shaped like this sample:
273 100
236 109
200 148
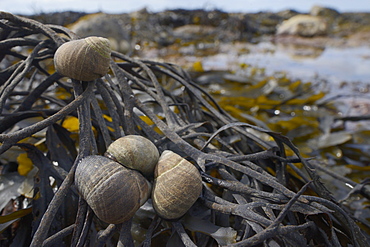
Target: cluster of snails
115 186
83 59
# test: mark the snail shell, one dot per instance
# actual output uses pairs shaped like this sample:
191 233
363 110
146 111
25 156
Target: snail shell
135 152
177 185
84 59
112 191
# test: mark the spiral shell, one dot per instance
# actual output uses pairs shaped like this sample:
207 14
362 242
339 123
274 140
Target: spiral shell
112 191
135 152
177 185
84 59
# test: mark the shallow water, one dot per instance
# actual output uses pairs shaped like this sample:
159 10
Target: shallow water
342 73
308 63
333 64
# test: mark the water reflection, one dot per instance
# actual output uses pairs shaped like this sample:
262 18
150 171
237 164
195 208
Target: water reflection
299 52
336 65
336 69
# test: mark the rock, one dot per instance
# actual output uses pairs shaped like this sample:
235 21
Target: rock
288 13
173 19
164 39
264 23
303 25
324 12
189 32
170 27
140 14
360 38
58 18
111 27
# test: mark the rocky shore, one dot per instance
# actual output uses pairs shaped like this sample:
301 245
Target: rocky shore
130 32
213 41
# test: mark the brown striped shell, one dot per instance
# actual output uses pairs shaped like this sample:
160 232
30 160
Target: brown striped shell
177 185
112 191
84 59
135 152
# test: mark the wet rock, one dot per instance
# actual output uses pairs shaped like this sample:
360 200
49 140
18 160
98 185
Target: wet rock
188 32
287 14
360 38
140 14
350 23
331 16
172 18
303 25
58 18
176 27
265 22
324 12
164 38
180 17
104 25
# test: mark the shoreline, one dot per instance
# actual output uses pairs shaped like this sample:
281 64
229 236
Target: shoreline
142 31
219 40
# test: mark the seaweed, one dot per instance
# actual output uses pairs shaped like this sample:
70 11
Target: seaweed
253 194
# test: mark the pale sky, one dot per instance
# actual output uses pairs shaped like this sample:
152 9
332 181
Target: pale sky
124 6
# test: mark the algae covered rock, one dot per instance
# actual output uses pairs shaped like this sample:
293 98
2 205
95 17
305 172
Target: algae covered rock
108 26
324 12
303 25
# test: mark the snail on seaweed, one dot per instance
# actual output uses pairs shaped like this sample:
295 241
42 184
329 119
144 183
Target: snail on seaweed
177 185
135 152
84 59
113 186
113 191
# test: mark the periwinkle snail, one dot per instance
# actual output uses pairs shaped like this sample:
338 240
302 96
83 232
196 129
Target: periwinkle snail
135 152
83 59
115 189
177 185
112 191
